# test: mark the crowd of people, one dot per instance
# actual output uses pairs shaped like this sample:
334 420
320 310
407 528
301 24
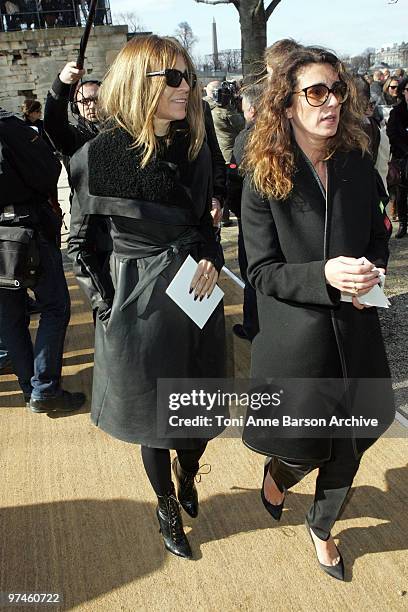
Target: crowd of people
386 90
152 167
37 14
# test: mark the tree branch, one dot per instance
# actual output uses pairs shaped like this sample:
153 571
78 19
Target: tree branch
269 9
236 3
214 1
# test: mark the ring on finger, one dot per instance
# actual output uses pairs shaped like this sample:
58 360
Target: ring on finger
206 276
355 287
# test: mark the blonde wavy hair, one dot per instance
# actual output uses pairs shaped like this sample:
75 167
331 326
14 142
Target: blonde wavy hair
131 99
270 157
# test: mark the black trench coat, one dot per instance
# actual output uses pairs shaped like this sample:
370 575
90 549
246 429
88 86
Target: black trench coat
306 332
147 336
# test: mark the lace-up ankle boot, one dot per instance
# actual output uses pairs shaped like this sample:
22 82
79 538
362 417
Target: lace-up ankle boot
186 489
171 526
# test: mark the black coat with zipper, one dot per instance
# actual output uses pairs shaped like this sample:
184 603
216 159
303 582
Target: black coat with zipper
306 332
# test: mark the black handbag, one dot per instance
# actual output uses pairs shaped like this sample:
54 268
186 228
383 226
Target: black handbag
19 257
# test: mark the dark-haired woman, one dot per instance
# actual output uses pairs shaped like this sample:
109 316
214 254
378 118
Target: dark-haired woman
310 216
32 115
397 130
150 173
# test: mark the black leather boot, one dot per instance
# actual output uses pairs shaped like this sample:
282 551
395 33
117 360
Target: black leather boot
402 230
171 526
186 489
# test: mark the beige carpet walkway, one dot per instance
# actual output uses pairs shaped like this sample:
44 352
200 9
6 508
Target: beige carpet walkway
77 516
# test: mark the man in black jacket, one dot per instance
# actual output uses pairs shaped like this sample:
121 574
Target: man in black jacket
28 177
67 137
92 239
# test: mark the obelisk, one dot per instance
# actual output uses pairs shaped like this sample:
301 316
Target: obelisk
215 45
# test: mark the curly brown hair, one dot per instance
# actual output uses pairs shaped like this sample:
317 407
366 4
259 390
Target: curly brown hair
270 155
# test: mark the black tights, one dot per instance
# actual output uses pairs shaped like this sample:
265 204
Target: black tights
156 462
402 206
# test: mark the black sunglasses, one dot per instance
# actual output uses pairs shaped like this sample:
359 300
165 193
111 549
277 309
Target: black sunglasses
392 86
317 95
174 77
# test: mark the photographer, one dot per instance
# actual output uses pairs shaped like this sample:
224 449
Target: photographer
228 121
28 176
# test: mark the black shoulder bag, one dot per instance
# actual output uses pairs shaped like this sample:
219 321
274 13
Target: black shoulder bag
19 254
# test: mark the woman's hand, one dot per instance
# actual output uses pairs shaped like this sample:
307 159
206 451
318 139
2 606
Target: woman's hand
349 275
204 279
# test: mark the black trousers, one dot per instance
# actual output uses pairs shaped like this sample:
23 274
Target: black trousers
250 311
333 483
402 205
157 464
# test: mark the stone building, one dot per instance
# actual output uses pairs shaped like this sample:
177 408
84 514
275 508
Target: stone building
30 59
395 56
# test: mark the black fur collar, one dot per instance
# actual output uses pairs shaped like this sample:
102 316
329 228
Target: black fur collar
114 170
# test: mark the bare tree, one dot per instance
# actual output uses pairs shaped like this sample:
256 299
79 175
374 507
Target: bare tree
230 60
360 63
253 17
130 19
185 35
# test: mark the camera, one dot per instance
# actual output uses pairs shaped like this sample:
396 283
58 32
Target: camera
227 94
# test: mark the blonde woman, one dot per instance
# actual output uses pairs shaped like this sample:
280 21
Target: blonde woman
310 214
150 172
390 91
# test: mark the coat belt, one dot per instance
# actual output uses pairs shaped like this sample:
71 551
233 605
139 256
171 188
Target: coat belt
159 258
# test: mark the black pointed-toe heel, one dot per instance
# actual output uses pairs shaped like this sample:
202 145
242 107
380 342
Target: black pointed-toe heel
335 571
274 510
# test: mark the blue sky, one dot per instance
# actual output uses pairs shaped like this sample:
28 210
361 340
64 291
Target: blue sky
343 25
